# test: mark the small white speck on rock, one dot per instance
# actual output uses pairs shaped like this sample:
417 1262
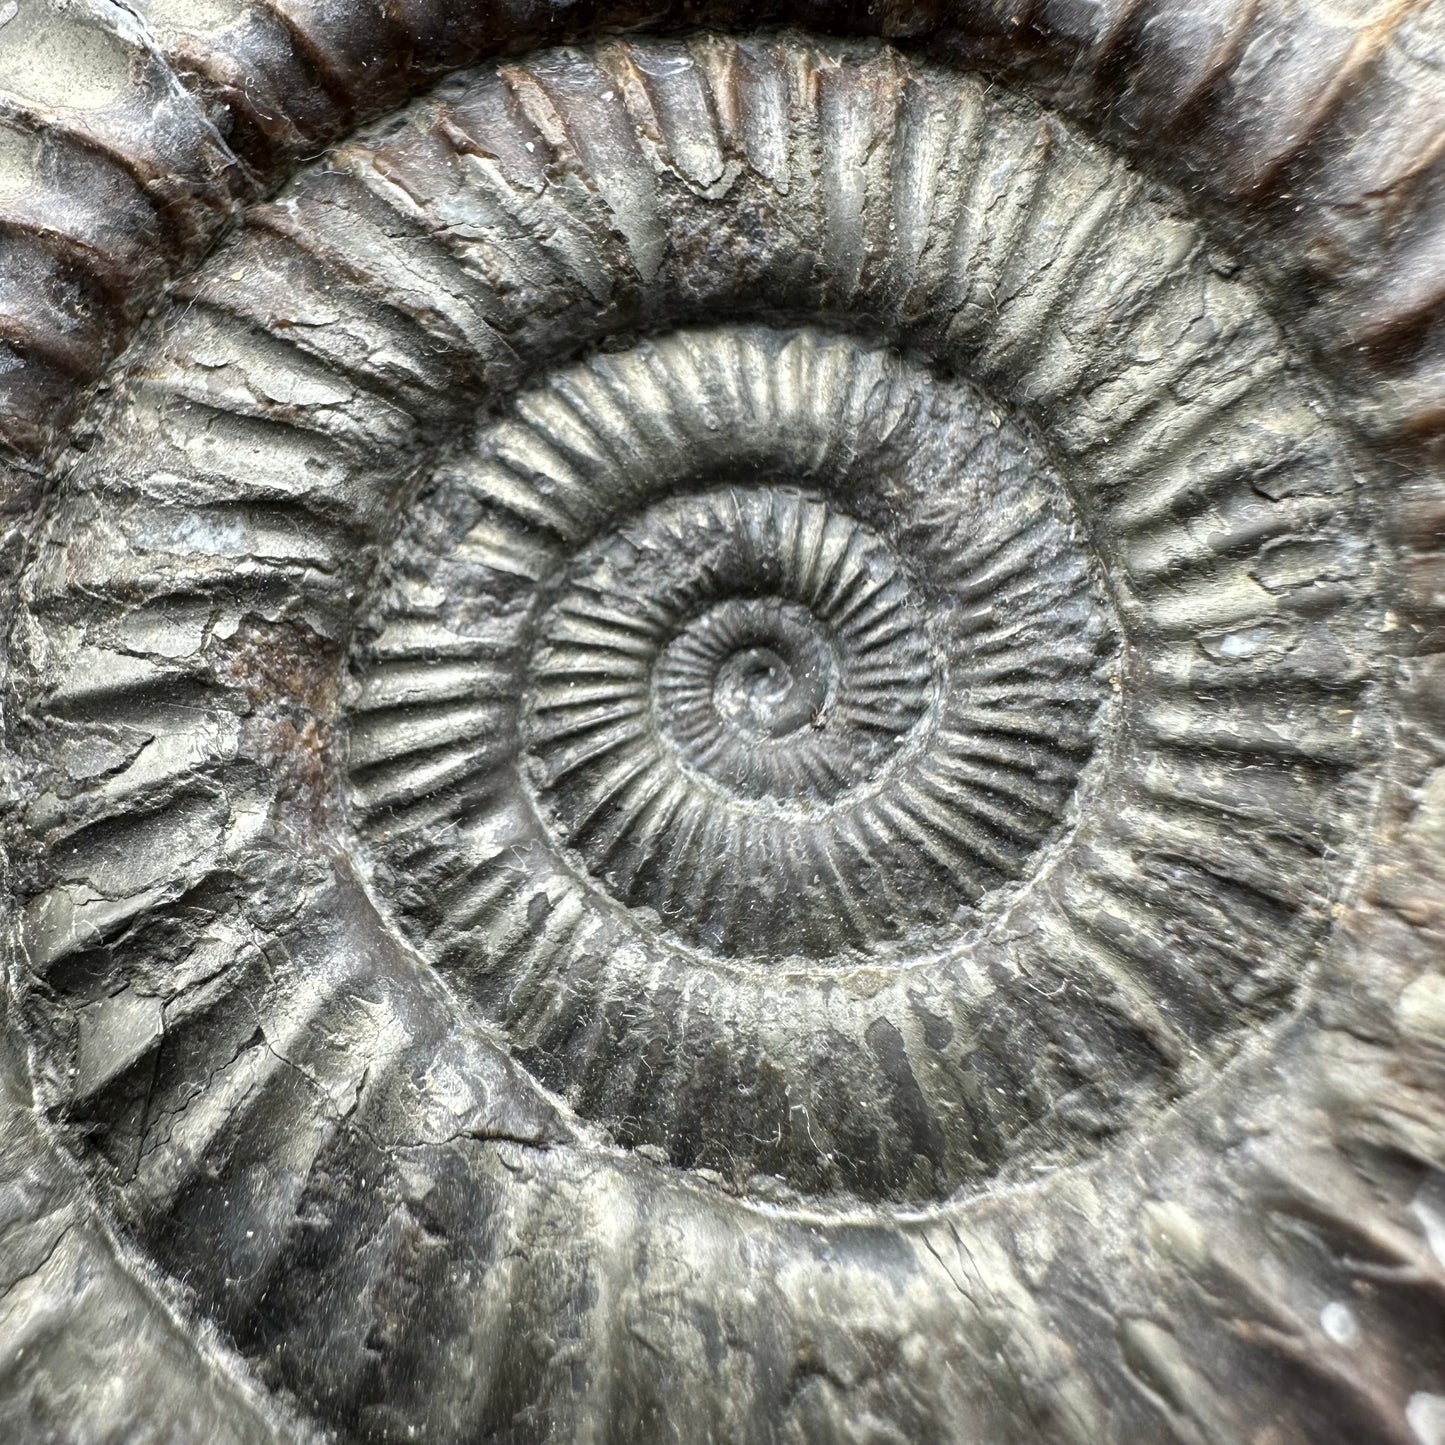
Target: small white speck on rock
1339 1323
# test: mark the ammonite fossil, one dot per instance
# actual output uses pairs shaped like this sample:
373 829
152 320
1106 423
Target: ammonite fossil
723 722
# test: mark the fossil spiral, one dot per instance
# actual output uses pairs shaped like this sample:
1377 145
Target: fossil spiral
708 739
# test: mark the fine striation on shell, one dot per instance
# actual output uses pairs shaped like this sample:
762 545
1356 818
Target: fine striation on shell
792 651
264 451
1318 124
743 648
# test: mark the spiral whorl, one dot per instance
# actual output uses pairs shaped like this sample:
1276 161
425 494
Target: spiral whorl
714 677
745 709
727 647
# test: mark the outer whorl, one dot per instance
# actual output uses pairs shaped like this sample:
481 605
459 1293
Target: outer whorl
707 740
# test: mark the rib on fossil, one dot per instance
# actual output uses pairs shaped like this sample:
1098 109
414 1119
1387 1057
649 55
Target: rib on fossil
698 724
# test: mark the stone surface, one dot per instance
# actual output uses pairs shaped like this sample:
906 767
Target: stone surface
726 734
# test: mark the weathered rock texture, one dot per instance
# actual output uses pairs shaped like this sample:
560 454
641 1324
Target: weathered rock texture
722 732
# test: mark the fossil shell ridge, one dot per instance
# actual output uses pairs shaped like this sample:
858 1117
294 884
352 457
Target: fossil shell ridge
409 1189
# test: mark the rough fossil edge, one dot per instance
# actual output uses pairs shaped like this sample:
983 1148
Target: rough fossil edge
1394 301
